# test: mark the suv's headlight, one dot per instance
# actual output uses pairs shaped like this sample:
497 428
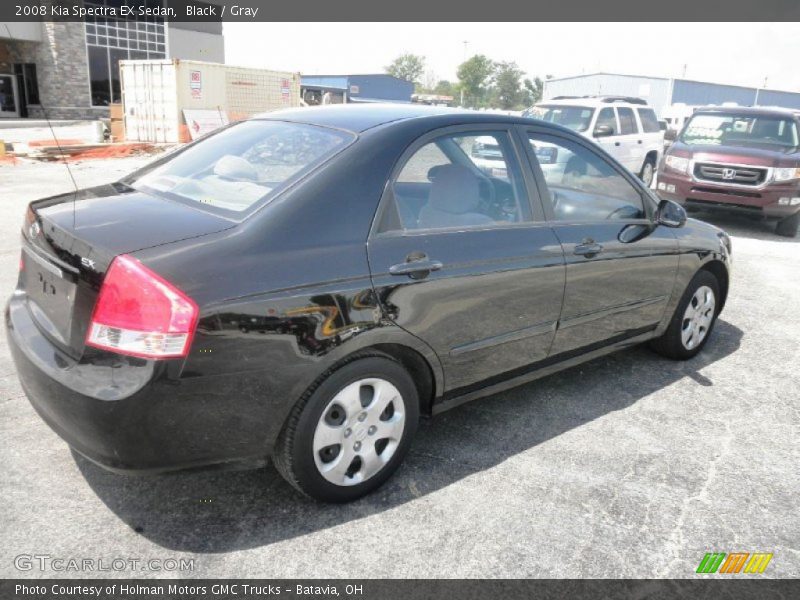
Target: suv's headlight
677 163
786 174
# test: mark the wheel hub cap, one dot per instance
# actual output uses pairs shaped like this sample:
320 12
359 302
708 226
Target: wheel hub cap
698 317
359 431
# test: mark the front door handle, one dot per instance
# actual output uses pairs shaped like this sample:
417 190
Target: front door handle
588 249
640 141
416 266
616 143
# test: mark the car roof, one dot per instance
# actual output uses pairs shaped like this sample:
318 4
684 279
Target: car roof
775 111
360 117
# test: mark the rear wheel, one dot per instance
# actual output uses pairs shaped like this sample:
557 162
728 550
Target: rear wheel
788 226
346 437
648 171
694 318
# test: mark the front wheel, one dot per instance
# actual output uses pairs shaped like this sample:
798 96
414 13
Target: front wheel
345 437
694 318
788 226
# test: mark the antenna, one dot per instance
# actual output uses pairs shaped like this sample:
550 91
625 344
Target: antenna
53 133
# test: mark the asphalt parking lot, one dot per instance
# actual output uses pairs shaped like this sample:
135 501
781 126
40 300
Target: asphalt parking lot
628 466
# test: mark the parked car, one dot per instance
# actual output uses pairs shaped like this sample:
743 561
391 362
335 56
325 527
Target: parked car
306 284
625 127
738 159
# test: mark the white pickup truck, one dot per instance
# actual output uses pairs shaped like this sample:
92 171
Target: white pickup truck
627 128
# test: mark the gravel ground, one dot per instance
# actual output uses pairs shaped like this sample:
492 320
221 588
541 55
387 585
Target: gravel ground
628 466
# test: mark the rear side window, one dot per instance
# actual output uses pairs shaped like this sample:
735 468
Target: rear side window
460 180
627 121
241 166
649 121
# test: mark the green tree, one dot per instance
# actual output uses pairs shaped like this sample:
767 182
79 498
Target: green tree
475 79
444 88
408 66
532 91
508 93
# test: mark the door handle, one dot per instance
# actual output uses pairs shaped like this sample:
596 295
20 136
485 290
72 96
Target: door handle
588 249
416 266
640 141
616 143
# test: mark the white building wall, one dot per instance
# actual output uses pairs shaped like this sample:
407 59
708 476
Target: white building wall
24 32
188 44
653 89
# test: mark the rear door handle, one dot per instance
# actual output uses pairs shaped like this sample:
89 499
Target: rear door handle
588 249
640 141
616 143
417 266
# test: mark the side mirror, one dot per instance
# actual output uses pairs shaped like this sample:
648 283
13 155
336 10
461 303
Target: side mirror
603 131
670 135
670 214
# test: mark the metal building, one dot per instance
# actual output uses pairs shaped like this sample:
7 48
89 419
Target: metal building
377 87
661 92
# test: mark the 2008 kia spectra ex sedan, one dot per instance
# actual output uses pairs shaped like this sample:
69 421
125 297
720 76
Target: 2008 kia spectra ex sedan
306 285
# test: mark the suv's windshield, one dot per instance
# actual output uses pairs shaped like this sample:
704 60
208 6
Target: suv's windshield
739 130
241 165
576 118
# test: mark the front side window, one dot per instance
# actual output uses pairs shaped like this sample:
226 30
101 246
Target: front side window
577 118
460 180
582 185
740 130
627 122
606 118
242 165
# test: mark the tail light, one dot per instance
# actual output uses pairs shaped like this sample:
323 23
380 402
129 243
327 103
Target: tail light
141 314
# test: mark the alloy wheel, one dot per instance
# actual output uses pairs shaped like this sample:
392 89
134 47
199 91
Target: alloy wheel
359 431
698 317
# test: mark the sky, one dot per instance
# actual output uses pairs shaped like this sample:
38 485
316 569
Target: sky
734 53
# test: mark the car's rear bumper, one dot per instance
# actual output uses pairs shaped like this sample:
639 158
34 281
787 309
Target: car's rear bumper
128 414
764 202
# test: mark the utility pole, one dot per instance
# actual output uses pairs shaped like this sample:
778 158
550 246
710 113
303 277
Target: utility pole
466 42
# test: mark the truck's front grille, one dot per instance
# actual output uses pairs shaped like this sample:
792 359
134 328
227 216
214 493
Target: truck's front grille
730 174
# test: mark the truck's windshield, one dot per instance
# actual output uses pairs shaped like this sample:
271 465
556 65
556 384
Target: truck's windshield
740 130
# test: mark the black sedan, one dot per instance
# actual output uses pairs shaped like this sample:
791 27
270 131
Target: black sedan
308 284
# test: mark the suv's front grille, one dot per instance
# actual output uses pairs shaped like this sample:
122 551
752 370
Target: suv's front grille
730 174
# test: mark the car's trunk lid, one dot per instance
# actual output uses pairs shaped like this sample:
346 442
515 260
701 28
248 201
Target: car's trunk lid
70 240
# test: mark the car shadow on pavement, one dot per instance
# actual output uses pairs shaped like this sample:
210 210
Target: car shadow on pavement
216 512
743 226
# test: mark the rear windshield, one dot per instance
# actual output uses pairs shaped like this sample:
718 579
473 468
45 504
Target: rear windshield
740 130
235 169
576 118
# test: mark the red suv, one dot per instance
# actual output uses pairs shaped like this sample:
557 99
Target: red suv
737 159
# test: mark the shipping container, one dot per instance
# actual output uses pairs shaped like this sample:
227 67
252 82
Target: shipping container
155 94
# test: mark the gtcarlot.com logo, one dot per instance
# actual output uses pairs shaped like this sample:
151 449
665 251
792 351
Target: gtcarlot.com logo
46 562
737 562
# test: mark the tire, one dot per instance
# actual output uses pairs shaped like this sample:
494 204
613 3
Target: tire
674 343
330 447
648 171
788 226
